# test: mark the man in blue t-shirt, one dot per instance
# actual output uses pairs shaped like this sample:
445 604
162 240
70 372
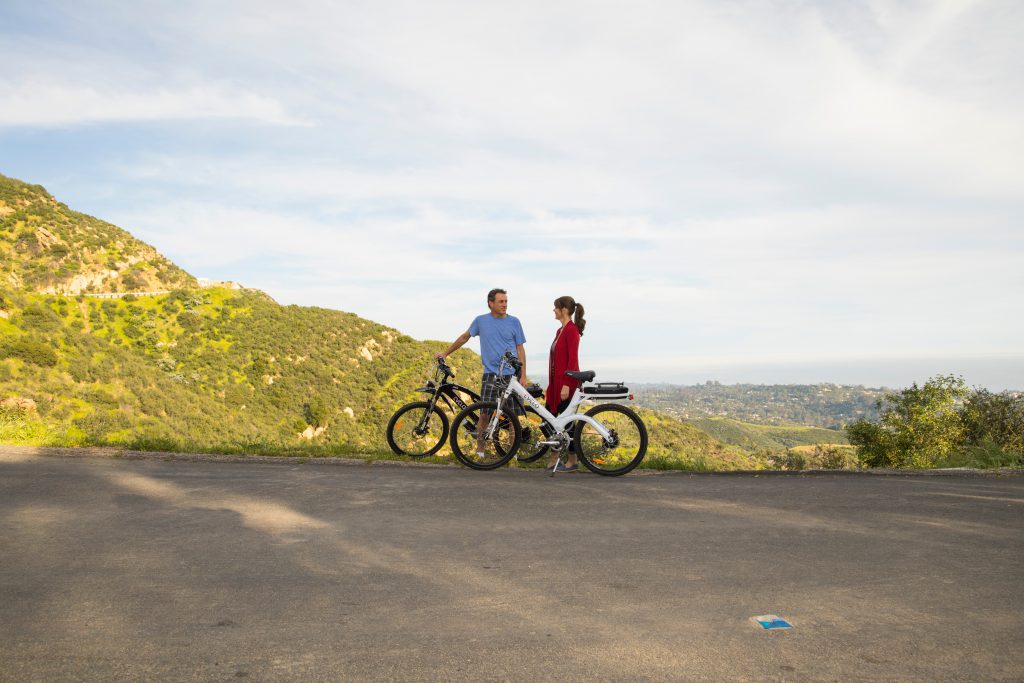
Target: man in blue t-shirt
499 332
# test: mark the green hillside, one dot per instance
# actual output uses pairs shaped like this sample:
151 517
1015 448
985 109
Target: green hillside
208 368
756 437
46 247
677 445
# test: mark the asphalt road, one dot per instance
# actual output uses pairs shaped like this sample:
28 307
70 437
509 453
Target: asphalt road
118 569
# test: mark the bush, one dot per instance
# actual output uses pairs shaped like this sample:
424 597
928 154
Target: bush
832 457
941 425
29 349
790 460
100 423
20 428
40 318
984 455
918 427
994 419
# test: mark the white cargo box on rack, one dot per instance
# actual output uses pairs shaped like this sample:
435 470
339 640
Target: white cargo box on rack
606 391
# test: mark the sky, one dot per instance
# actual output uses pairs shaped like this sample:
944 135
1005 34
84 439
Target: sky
743 191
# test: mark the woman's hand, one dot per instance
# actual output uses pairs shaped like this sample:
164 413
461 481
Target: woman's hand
565 393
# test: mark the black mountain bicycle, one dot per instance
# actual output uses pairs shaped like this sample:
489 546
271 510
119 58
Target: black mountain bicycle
420 428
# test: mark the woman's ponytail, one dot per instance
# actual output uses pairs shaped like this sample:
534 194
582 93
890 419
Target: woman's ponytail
578 318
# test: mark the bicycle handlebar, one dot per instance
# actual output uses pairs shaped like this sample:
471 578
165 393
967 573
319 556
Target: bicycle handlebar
513 361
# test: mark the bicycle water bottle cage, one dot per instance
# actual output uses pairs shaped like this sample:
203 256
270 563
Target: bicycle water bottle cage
535 390
585 376
607 390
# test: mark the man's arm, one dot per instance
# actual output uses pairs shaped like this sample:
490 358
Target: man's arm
455 345
521 352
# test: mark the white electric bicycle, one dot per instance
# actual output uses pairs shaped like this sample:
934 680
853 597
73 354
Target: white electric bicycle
609 439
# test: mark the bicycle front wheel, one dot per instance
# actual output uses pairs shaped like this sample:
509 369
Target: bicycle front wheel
417 430
471 443
618 455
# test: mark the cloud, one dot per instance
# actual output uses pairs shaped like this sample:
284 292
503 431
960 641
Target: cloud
59 105
812 283
712 179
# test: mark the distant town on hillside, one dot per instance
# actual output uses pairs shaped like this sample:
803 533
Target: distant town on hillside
820 405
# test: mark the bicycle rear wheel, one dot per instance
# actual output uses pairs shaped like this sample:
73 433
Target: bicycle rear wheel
623 452
468 436
413 432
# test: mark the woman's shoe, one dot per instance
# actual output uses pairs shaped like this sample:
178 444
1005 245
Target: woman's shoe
563 468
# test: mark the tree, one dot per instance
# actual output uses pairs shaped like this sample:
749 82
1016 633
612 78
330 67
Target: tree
917 427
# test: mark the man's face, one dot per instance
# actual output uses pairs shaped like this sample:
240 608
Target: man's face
500 305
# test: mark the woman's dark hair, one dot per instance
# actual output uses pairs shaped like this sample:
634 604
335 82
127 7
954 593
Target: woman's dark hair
575 310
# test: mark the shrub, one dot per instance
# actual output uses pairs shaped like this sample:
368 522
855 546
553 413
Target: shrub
994 419
917 427
19 427
29 349
833 457
38 317
791 460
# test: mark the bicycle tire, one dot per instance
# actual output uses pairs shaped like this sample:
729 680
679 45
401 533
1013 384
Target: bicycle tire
496 451
530 432
630 449
401 434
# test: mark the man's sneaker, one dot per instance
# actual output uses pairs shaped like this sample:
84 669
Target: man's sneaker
562 468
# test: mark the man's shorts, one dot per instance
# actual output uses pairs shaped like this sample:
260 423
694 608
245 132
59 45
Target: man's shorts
494 386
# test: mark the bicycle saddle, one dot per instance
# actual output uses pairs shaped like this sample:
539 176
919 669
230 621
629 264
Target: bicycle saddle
584 376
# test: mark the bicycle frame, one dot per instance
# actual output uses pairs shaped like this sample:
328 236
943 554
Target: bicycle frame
559 422
449 392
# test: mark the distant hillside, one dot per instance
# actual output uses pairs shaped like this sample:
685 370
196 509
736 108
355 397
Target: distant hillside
821 405
757 437
48 248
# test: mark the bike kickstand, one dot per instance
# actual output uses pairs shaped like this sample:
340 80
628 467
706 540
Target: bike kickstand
558 462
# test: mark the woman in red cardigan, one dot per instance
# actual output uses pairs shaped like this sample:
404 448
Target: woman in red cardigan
564 356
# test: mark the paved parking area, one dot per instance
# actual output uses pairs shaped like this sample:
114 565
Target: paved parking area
170 570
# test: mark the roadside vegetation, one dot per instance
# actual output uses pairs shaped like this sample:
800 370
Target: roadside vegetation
943 424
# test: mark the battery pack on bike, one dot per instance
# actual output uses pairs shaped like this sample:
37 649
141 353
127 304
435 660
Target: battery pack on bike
607 391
